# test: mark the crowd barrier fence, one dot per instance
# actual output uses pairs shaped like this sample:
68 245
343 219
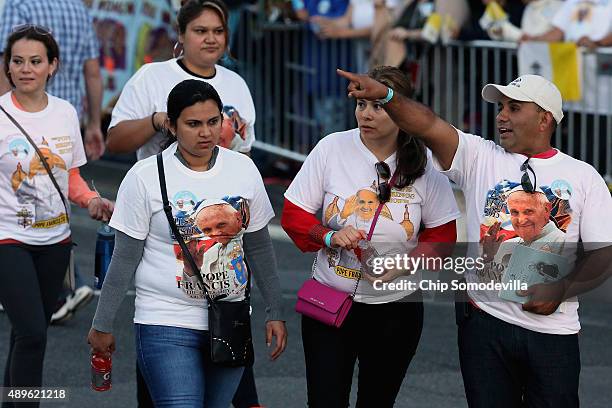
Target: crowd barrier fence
299 98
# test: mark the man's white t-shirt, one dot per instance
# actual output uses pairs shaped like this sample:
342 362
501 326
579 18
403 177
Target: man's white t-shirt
339 177
30 206
147 92
584 18
579 196
167 293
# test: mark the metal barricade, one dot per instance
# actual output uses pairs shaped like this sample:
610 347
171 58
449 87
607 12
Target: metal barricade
452 77
299 98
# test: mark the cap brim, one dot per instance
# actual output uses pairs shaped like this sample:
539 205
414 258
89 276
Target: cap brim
493 93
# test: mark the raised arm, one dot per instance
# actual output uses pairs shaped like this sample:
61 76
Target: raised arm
411 116
127 136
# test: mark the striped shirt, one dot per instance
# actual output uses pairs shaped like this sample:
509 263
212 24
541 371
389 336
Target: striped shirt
72 28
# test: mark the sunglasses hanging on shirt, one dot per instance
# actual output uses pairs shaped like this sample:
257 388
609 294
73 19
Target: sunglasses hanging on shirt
383 172
526 183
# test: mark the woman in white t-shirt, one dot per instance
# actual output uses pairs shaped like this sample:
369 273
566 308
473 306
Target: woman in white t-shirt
351 176
221 208
140 113
35 239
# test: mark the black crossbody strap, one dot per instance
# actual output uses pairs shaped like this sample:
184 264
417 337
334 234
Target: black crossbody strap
40 156
186 254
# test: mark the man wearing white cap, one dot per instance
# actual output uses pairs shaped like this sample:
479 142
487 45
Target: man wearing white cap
511 354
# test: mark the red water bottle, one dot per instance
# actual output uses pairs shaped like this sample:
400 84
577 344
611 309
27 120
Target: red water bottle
101 372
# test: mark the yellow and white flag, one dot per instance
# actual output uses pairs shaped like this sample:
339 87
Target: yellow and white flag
558 62
432 27
493 13
449 29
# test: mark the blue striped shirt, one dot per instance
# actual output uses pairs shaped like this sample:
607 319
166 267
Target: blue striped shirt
73 29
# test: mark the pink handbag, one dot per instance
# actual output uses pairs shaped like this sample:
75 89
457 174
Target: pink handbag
328 305
322 303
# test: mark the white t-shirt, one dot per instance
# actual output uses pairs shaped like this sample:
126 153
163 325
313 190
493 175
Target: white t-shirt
148 89
362 14
30 207
538 16
584 18
167 292
339 176
579 196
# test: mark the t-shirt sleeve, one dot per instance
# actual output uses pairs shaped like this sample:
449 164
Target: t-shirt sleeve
298 5
439 206
132 214
563 16
10 18
307 190
260 208
78 151
135 100
595 222
469 150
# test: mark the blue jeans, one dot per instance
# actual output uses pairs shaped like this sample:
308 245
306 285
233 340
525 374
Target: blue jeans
507 366
176 366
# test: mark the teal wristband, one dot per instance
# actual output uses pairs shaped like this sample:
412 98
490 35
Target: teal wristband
328 238
389 96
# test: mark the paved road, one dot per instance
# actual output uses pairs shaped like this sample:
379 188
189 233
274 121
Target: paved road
433 379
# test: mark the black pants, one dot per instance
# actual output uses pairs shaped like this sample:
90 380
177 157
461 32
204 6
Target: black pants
30 282
382 337
507 366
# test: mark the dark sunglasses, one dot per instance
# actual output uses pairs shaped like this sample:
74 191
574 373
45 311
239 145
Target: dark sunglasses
384 190
525 180
38 29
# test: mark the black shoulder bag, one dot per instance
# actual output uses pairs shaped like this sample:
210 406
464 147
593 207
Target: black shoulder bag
69 278
229 323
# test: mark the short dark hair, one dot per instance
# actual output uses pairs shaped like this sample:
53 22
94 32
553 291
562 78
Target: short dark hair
35 33
185 94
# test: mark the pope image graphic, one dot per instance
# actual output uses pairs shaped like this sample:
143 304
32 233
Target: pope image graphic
218 252
34 188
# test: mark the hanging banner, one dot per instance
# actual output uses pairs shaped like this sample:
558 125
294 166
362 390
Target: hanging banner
130 33
557 62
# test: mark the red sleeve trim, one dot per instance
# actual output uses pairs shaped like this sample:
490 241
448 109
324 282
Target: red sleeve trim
303 227
437 242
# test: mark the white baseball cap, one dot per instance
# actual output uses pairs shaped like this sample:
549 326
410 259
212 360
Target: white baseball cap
528 88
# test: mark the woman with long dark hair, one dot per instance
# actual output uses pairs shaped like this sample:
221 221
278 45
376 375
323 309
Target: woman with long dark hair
380 197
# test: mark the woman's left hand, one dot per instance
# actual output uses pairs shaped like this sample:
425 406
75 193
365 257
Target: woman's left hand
276 328
100 208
